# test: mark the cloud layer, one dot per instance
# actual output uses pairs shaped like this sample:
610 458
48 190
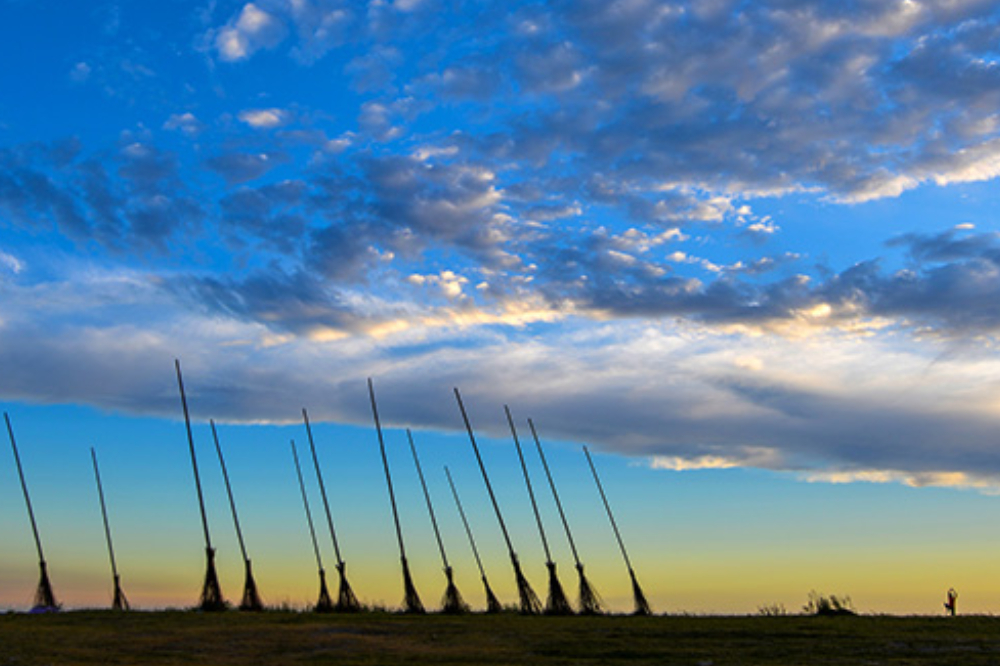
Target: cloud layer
581 211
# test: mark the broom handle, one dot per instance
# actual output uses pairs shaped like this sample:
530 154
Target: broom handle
468 530
229 490
385 466
322 490
305 503
527 482
607 507
104 513
427 496
482 468
24 489
194 461
552 485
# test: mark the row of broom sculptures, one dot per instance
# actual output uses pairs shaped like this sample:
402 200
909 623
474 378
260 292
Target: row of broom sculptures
212 599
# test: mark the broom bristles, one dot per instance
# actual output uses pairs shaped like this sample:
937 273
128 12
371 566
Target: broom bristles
530 605
590 601
557 603
452 601
211 593
323 604
493 604
346 601
411 600
251 598
119 603
45 600
641 605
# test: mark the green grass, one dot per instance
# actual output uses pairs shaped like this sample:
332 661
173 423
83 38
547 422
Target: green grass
174 637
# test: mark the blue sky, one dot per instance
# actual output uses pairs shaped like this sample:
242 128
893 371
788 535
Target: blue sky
747 243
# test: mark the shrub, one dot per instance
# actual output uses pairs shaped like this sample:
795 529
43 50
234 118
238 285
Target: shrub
772 610
821 604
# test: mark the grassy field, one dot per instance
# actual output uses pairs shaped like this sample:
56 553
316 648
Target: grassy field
103 637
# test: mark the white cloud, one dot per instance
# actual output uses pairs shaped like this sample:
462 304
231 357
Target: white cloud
80 72
679 464
340 144
449 283
641 242
264 118
969 165
750 456
989 485
379 120
320 25
185 122
407 5
253 29
766 227
11 263
425 153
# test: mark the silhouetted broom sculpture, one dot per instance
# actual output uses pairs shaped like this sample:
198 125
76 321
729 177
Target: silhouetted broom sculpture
590 602
324 604
529 604
45 601
556 603
346 601
211 594
411 600
492 603
119 602
452 601
641 605
251 598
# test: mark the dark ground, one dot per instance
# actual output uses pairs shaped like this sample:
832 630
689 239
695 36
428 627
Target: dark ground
175 637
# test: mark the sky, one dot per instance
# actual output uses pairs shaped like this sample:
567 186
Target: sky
745 251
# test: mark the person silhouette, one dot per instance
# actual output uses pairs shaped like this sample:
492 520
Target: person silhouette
951 603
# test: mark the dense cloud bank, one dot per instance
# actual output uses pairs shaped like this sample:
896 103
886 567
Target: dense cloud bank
829 404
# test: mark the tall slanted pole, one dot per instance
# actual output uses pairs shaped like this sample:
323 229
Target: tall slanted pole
347 602
324 605
45 601
556 603
529 603
590 602
452 601
411 600
492 603
211 594
119 602
251 598
641 605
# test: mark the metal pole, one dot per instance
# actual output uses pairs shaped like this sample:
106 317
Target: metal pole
411 601
24 489
527 481
486 478
194 460
607 507
322 488
385 466
104 513
427 497
552 485
305 503
229 490
468 530
324 604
